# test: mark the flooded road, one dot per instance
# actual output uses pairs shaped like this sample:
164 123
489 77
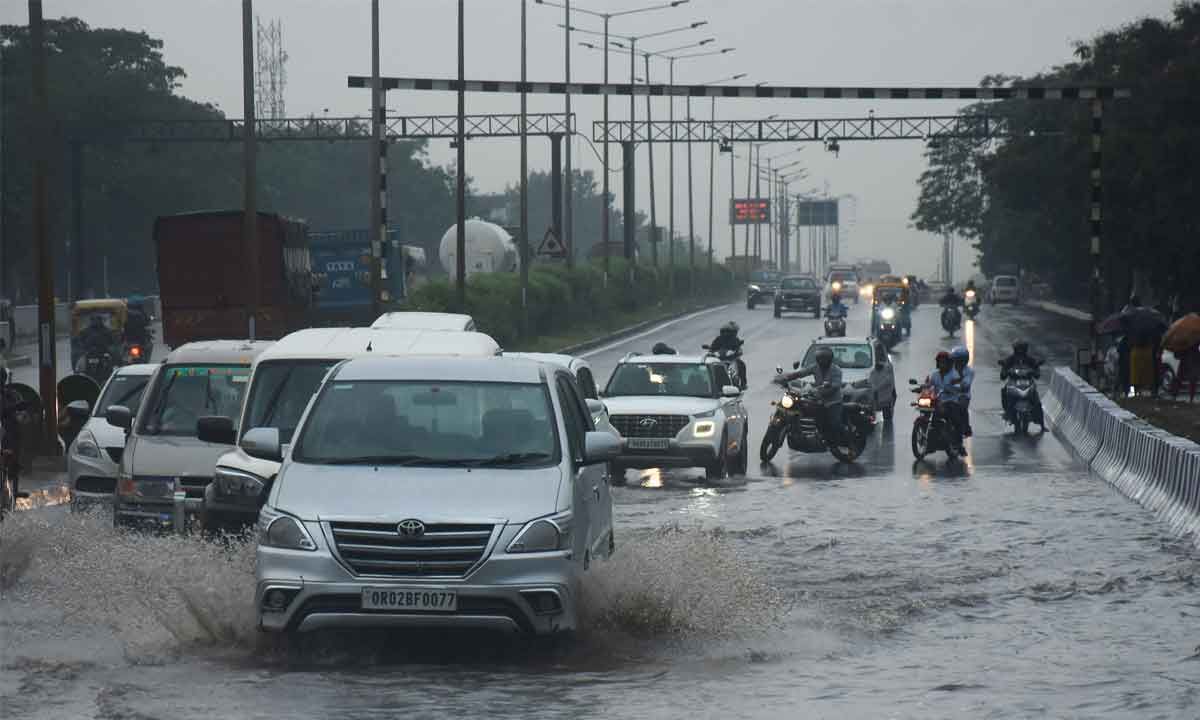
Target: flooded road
1014 585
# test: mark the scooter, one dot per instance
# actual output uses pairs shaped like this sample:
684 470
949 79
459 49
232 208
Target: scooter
971 304
1024 404
887 326
933 431
951 320
835 325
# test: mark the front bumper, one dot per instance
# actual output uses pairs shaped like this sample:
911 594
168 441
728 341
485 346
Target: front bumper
157 512
499 594
676 455
93 480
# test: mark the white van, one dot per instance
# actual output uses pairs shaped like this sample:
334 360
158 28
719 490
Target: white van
163 453
282 382
411 320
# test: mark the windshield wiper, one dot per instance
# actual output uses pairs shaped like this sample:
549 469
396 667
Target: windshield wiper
378 460
513 459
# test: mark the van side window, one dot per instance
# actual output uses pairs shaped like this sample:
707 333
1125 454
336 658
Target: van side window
577 423
587 384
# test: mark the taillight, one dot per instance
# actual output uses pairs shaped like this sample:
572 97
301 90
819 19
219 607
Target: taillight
135 351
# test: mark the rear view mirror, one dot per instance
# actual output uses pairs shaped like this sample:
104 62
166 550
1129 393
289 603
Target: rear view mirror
796 365
912 382
263 443
119 416
79 409
216 429
778 369
600 447
595 407
730 391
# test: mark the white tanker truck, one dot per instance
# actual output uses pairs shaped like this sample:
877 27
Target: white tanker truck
489 248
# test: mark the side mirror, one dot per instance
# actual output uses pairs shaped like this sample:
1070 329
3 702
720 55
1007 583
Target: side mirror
778 369
119 416
600 447
79 409
730 391
912 381
705 347
595 407
263 443
216 429
796 365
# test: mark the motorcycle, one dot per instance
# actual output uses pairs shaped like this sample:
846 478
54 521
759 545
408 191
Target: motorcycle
96 365
933 431
835 325
887 326
1024 404
730 359
796 421
971 304
951 320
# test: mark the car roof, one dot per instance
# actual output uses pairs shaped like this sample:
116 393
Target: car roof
345 342
568 361
672 359
218 352
137 369
477 369
413 320
848 340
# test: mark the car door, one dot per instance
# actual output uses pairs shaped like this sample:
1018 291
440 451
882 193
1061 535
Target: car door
735 415
592 487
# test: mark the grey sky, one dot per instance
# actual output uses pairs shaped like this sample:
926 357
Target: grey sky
848 42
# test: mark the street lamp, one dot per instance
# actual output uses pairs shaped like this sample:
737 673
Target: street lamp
606 17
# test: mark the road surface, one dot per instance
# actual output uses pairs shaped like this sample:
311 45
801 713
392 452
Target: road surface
1012 586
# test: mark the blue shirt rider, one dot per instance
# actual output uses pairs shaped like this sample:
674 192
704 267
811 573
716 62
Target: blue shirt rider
836 307
961 357
948 385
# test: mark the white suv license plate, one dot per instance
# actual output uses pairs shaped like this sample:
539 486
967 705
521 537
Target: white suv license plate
647 443
418 599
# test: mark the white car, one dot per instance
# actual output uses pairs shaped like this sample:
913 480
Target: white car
844 283
677 411
412 320
94 458
856 356
1006 288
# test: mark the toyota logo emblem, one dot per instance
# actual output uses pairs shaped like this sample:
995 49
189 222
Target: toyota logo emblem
411 528
648 422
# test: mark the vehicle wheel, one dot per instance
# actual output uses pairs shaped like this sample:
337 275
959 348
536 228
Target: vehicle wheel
853 449
616 474
719 468
742 462
612 544
8 500
920 440
778 312
817 313
1022 426
771 442
749 304
888 412
1166 381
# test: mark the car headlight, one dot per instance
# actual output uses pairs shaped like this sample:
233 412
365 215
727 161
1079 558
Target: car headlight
548 534
837 286
888 314
787 402
970 294
235 483
925 402
705 429
278 530
86 447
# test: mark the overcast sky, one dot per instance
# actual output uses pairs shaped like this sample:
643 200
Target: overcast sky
847 42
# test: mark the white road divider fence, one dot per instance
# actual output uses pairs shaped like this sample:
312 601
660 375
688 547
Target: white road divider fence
1151 466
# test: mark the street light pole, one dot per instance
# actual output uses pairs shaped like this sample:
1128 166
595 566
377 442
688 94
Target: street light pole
650 151
604 204
569 201
524 178
250 151
460 243
712 189
671 177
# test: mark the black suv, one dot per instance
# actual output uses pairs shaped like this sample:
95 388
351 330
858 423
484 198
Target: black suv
763 285
798 293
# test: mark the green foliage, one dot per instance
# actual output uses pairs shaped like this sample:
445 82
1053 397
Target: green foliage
1026 200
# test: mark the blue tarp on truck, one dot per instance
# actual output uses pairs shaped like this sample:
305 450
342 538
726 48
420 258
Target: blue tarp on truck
341 262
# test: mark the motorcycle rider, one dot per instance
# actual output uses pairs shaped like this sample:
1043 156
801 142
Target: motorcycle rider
728 339
961 357
836 307
1020 358
96 338
11 405
947 383
827 378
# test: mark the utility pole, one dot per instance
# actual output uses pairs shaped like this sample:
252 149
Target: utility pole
604 217
568 210
650 150
47 339
250 161
460 244
691 214
378 224
524 179
671 183
712 189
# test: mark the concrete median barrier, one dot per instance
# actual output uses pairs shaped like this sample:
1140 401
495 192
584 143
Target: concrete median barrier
1150 466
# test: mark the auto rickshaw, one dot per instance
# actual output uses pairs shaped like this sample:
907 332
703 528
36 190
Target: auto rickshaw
112 312
891 289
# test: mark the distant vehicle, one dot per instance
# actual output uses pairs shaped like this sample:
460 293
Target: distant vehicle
677 411
282 381
94 457
489 248
1005 288
798 293
842 280
411 320
486 511
856 356
341 264
203 282
871 270
163 453
762 287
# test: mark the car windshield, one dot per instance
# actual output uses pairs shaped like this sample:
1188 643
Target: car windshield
843 276
682 379
279 392
185 393
124 390
466 424
798 284
848 356
764 276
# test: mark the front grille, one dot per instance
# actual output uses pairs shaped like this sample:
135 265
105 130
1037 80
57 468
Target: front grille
442 550
649 426
115 453
194 486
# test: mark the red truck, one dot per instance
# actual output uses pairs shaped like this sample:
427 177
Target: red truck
204 280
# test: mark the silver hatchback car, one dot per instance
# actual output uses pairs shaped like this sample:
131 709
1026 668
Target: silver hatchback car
434 492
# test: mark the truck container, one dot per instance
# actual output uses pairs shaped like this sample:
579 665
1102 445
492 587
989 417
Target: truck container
341 261
205 284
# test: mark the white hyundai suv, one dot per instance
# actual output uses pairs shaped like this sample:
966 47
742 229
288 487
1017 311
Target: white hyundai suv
677 411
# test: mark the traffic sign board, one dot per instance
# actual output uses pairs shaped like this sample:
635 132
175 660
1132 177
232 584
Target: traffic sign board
551 246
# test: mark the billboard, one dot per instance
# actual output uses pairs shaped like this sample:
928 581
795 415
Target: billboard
749 211
817 212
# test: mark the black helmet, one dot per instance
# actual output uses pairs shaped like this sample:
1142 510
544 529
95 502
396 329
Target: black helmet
662 348
1020 347
824 357
730 328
